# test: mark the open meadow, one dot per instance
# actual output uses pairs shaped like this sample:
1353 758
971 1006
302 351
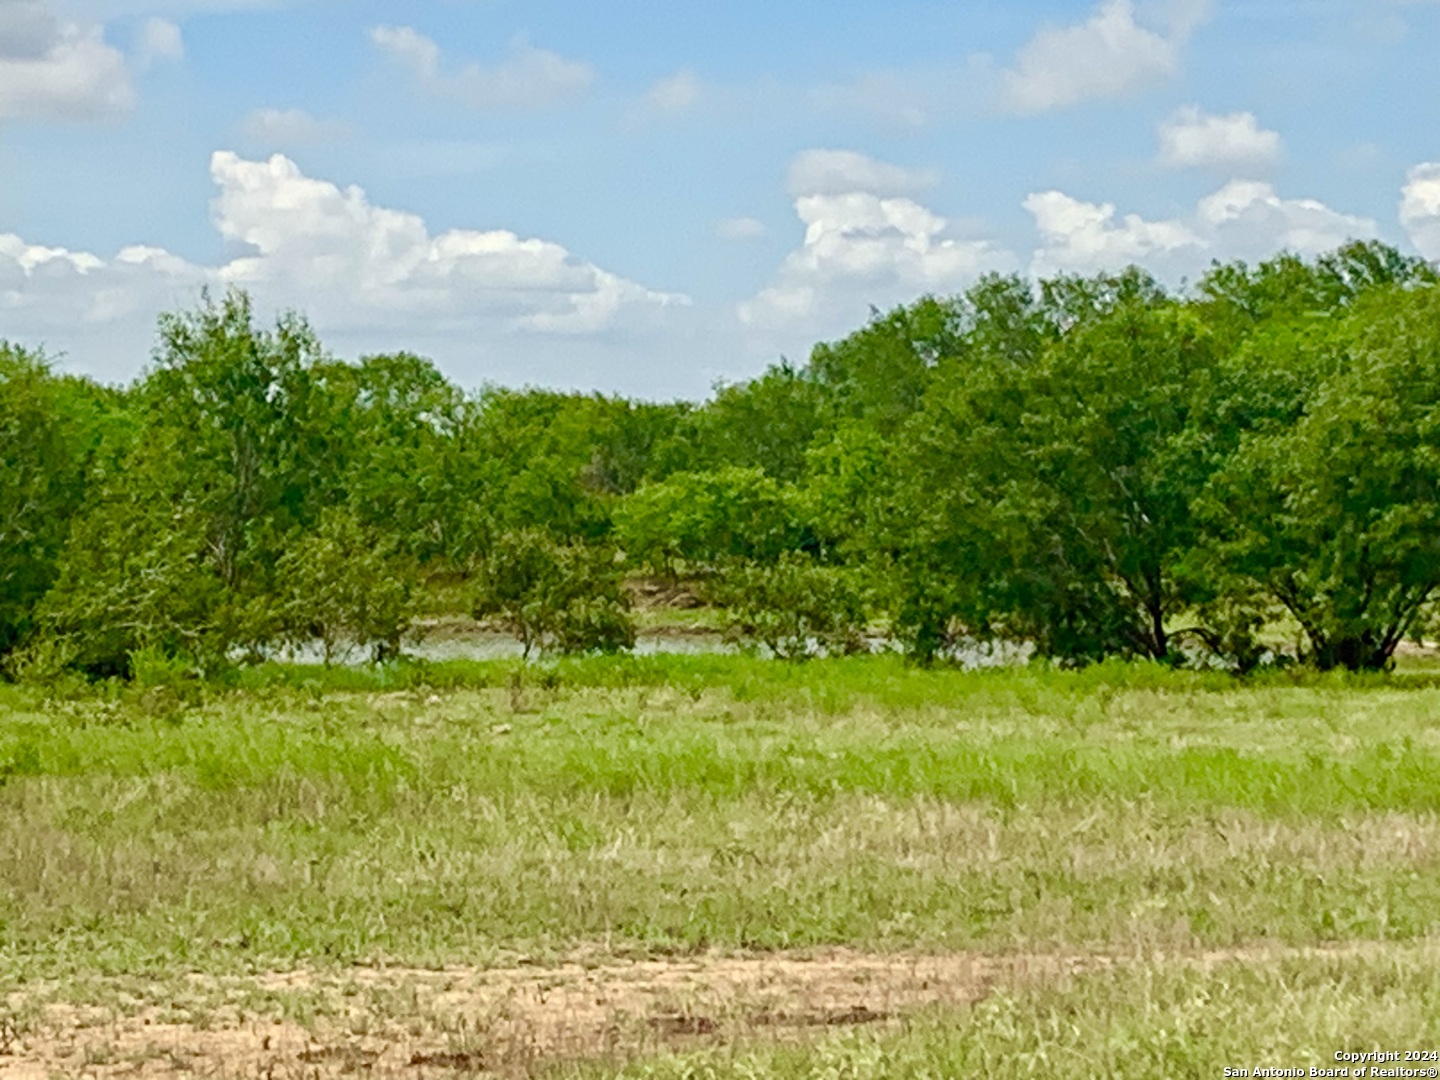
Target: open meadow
718 866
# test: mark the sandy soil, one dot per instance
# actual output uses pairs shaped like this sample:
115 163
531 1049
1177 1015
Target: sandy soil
417 1023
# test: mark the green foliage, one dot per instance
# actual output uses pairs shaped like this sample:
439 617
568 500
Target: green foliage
1051 502
137 575
397 429
1337 515
795 607
1238 299
176 548
344 586
565 597
234 421
1092 466
766 424
556 462
703 519
55 434
881 372
845 495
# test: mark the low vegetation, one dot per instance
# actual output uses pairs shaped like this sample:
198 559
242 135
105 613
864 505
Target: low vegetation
1113 866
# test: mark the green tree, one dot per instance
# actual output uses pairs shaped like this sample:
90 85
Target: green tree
1051 502
1237 299
555 461
1336 515
766 423
345 586
136 575
396 424
566 597
34 501
55 432
880 373
233 455
796 607
696 521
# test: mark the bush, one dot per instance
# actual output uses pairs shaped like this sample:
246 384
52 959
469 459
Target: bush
797 608
134 577
567 598
346 588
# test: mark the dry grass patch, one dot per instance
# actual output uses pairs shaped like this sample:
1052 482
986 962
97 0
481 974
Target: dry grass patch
529 1018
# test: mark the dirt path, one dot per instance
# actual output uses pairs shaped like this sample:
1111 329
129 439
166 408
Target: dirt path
415 1023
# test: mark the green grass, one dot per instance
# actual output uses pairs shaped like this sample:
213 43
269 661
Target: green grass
473 814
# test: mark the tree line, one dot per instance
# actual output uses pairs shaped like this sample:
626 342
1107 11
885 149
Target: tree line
1093 467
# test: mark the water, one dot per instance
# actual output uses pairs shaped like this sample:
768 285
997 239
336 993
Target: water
494 645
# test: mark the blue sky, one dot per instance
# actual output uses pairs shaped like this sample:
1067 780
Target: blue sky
649 198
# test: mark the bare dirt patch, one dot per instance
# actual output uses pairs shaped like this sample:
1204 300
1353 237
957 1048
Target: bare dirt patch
398 1022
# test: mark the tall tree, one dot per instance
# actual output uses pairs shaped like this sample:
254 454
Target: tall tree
1051 502
54 430
1336 515
177 549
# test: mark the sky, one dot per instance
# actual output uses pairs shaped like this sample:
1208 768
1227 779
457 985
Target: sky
653 199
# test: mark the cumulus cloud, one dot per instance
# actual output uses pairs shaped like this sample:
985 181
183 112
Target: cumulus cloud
838 172
351 265
526 78
1085 237
48 292
292 127
1109 55
1420 208
1242 220
53 69
863 246
1248 220
335 252
1193 138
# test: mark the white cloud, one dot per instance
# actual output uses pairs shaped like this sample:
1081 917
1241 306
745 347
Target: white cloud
527 78
52 69
1242 220
1107 56
838 172
291 127
1193 138
862 247
1084 237
1247 220
28 29
739 228
1420 208
333 252
355 268
160 39
47 291
673 94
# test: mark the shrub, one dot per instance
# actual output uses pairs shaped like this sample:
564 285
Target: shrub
796 607
553 596
346 588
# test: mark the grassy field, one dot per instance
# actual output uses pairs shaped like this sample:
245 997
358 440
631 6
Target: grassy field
718 866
